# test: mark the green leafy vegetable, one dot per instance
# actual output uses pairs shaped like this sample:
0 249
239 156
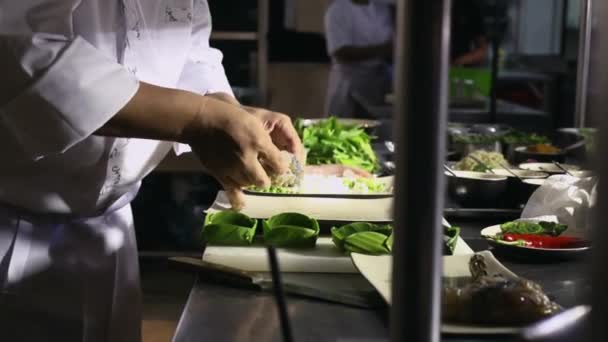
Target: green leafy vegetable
229 228
363 237
329 142
389 242
367 243
365 185
543 228
519 138
291 230
450 238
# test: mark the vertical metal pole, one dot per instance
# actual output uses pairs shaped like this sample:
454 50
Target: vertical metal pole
262 35
598 102
584 52
422 57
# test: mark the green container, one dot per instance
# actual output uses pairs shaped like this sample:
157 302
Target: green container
482 78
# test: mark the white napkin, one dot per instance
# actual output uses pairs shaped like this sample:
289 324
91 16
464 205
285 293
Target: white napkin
566 200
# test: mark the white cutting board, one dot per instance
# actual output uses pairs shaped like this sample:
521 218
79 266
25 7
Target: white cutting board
324 258
321 208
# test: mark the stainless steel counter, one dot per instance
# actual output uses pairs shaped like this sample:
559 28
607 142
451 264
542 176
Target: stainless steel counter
219 313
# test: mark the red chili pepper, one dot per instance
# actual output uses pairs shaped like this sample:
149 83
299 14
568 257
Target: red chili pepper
545 241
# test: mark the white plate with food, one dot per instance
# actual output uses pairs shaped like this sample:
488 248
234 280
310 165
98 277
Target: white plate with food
464 278
374 210
523 239
312 185
363 123
548 167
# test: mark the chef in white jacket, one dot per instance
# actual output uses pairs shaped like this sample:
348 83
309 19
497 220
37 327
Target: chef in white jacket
359 36
93 94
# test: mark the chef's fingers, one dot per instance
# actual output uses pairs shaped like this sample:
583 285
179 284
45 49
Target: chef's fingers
254 173
234 193
292 140
270 156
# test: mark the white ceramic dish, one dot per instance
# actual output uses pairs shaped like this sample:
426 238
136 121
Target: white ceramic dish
548 167
377 270
321 208
490 233
526 174
323 186
346 121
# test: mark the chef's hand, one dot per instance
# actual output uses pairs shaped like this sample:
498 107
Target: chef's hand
278 125
281 131
234 147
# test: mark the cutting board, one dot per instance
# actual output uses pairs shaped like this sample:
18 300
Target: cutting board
324 258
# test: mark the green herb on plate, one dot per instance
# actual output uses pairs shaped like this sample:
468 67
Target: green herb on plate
363 237
291 230
518 138
229 228
330 142
450 238
542 227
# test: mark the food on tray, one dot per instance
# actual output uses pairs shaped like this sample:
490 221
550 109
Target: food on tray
229 228
450 238
490 159
363 237
321 184
330 142
493 299
518 138
291 230
476 139
543 149
528 227
543 241
368 238
537 235
294 174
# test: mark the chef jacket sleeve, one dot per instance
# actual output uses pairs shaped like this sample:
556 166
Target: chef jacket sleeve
203 73
338 27
57 89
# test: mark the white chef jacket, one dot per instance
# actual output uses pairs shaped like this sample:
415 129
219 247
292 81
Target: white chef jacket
68 257
67 67
348 24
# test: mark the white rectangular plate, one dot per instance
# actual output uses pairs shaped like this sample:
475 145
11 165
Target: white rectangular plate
378 270
326 188
321 208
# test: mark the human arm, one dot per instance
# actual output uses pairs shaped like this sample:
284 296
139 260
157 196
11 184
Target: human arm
476 56
231 144
353 54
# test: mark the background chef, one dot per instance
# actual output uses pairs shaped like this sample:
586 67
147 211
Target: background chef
359 36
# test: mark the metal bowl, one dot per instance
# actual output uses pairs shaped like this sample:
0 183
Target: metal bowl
477 189
523 155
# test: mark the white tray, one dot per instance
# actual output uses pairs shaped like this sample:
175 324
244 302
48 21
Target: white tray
378 269
321 208
324 258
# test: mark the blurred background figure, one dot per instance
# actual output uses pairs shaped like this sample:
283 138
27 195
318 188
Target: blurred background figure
359 37
469 41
